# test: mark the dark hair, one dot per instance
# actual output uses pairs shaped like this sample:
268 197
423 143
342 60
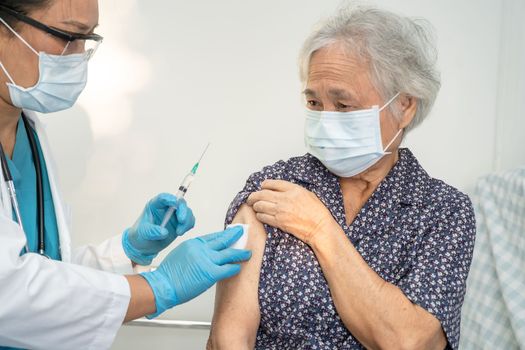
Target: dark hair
23 6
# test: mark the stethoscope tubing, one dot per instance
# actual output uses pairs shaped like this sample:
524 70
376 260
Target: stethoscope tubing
39 187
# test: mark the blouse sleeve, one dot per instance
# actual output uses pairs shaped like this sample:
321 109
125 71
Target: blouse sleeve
437 280
253 184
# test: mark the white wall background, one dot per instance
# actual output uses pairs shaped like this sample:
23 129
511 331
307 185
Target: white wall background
510 117
173 75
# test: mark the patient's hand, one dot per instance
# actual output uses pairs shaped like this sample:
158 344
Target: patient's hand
236 316
292 209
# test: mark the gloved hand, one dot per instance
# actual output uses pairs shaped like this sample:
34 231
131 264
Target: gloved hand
194 266
147 238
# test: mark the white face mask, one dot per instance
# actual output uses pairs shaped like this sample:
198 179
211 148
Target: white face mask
346 143
61 81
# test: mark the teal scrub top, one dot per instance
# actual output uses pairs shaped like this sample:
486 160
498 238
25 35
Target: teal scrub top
24 178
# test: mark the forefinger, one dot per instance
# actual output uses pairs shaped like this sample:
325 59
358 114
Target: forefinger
276 185
224 239
263 195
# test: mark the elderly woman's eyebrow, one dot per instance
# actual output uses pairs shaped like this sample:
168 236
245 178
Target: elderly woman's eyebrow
334 93
309 92
340 94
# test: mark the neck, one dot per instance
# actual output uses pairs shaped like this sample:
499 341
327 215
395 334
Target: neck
368 180
9 117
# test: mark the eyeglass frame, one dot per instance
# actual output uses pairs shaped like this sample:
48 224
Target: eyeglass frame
69 37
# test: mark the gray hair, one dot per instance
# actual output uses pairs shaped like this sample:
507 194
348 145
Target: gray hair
400 51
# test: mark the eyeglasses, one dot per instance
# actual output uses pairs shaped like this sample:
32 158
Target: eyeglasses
76 42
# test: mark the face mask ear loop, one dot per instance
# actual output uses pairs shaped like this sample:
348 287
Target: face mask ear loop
18 36
65 48
389 101
7 73
391 142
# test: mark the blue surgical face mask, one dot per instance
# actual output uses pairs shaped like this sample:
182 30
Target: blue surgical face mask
346 143
61 81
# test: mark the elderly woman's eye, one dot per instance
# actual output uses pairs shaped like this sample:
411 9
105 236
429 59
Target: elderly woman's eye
343 106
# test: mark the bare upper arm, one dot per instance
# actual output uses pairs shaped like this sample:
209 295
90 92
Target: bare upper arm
236 316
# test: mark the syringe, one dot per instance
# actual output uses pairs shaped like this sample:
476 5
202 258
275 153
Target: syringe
183 188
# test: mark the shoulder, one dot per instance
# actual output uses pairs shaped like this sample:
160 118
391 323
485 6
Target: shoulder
281 170
453 222
430 193
440 206
446 197
287 170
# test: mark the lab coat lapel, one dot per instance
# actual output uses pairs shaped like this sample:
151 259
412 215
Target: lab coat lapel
4 195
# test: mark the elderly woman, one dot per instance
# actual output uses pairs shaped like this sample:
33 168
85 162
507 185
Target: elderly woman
354 244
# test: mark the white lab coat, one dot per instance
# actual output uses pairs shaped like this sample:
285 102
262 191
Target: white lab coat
47 304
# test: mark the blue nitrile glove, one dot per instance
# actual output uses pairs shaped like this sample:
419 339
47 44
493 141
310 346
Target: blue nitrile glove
147 238
194 266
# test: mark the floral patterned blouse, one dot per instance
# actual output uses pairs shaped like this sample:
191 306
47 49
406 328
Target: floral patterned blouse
415 232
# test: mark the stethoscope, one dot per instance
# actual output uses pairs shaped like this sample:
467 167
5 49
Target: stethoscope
39 187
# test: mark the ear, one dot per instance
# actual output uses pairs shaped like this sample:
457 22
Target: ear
408 108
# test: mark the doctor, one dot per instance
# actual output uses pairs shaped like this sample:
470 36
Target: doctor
50 296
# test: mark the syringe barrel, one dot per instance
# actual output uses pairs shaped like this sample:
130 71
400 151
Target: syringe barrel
167 216
181 193
183 188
